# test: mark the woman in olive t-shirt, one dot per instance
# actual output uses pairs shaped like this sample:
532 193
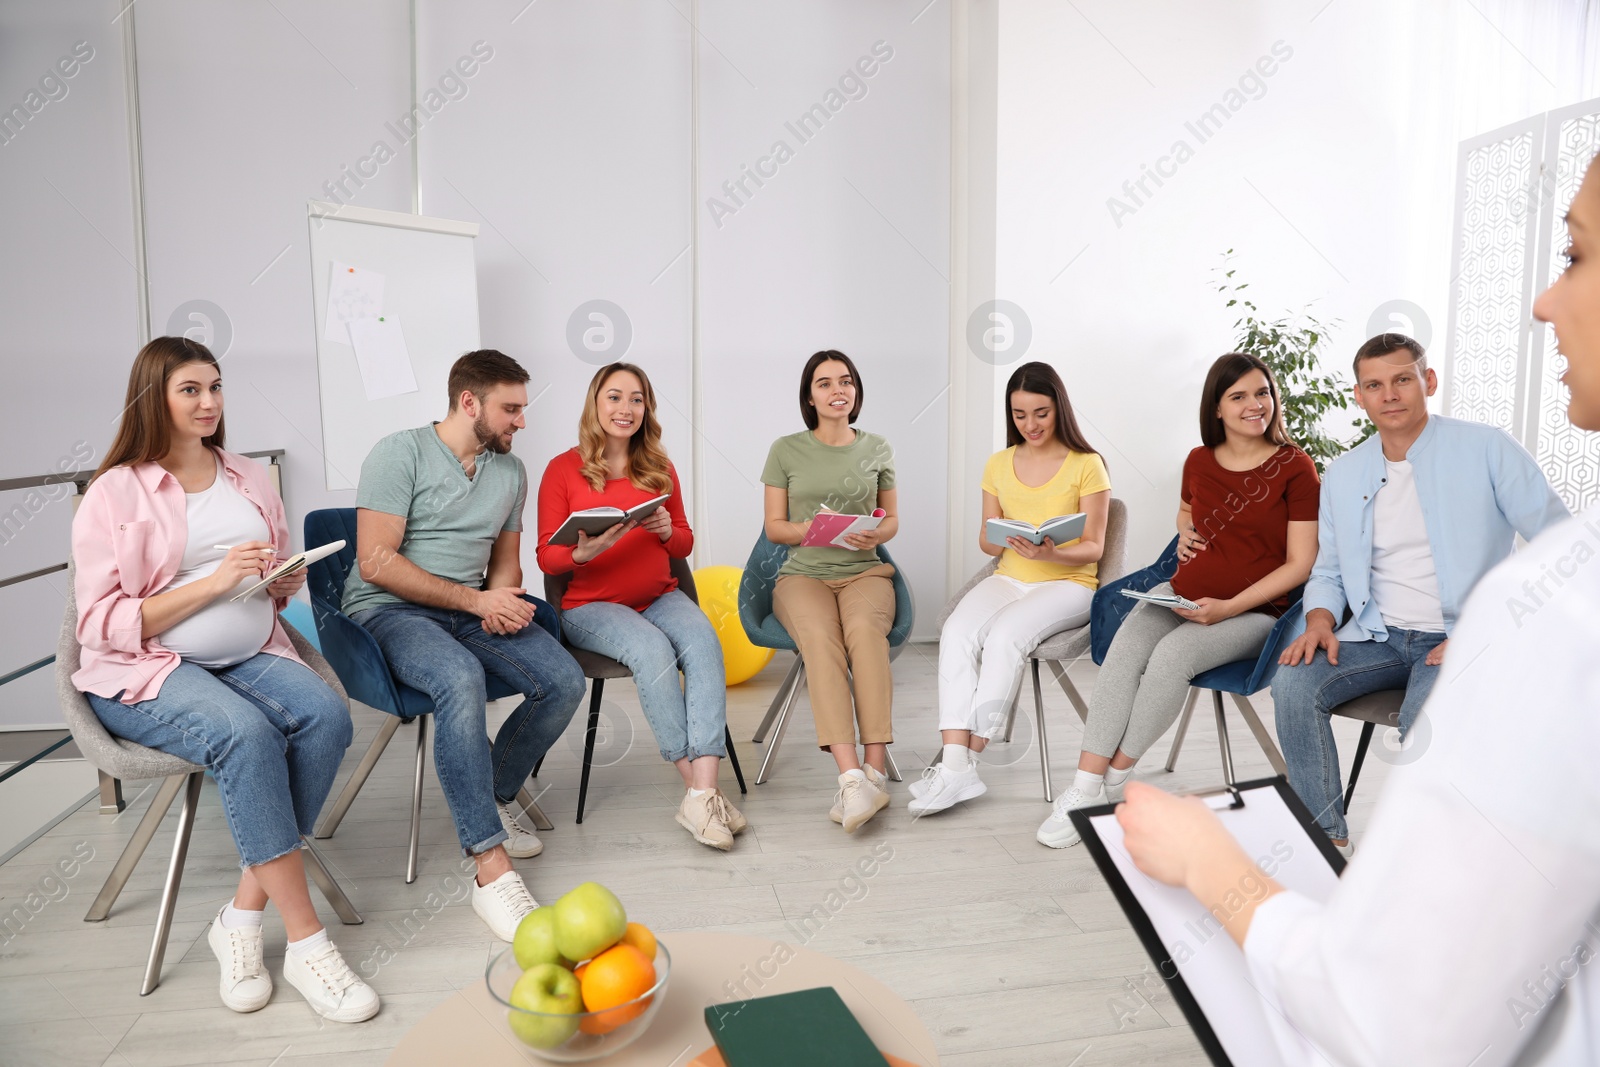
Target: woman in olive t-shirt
838 603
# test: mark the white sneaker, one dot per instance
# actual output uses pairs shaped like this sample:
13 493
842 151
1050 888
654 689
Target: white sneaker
859 800
1114 792
946 787
246 985
1057 831
836 813
1348 849
329 985
502 903
519 841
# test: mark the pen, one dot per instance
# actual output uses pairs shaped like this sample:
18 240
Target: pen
229 548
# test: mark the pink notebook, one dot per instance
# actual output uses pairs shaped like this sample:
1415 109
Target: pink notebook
830 529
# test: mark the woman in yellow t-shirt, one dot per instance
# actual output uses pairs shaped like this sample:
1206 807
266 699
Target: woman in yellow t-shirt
1049 469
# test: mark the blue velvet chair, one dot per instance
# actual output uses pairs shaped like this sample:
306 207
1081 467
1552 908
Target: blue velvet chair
1239 679
359 663
765 631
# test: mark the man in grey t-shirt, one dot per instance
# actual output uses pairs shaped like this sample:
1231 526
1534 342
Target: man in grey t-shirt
439 585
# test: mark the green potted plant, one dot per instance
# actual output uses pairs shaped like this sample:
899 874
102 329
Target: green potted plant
1292 347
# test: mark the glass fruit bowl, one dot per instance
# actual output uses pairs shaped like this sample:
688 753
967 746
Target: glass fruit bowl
576 1037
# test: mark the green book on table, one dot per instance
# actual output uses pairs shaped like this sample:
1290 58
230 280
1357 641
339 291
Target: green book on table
802 1029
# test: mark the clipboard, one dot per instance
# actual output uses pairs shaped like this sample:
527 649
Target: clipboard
1268 819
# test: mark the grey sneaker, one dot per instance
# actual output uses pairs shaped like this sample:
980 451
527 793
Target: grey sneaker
1057 831
520 841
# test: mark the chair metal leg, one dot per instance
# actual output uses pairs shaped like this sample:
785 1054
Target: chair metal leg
531 807
169 892
1044 745
1076 698
1361 756
134 850
596 687
786 689
537 767
416 799
1183 727
111 802
1011 709
894 768
330 822
1222 738
1264 739
733 758
778 728
317 867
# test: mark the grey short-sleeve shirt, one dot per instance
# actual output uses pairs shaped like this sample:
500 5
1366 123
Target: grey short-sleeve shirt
451 520
843 478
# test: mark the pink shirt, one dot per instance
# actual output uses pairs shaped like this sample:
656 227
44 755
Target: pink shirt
127 541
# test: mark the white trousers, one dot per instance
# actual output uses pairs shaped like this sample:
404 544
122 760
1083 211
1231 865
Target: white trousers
987 639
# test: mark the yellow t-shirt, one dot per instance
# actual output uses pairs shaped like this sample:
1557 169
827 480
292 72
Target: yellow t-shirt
1081 474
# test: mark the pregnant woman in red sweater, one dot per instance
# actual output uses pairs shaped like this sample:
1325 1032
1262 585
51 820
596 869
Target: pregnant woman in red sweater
1247 535
623 601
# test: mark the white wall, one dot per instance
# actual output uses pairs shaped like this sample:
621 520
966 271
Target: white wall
571 152
1334 187
846 247
67 287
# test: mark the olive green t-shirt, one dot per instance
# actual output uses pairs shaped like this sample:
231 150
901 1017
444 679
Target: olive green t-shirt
452 521
842 478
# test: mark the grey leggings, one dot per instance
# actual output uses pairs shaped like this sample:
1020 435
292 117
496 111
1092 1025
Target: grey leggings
1145 677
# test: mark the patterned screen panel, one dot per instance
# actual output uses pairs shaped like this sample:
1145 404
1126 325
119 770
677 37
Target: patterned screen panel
1494 259
1570 457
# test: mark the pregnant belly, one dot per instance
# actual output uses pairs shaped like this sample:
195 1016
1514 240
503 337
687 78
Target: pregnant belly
223 633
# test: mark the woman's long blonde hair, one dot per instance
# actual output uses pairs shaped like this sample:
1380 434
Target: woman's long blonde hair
648 465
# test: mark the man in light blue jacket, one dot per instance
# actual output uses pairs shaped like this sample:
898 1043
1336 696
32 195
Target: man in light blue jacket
1409 520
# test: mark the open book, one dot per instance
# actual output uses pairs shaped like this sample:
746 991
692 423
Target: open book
1166 600
1061 529
828 528
593 521
292 564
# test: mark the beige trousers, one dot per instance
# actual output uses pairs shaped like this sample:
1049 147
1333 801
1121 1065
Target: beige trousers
842 628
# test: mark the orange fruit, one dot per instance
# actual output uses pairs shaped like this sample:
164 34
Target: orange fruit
619 974
639 936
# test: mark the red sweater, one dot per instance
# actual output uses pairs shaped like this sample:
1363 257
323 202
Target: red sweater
634 571
1244 517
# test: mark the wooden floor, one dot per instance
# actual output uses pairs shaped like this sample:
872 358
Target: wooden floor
1012 953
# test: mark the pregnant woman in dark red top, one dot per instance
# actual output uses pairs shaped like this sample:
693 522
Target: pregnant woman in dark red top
1247 535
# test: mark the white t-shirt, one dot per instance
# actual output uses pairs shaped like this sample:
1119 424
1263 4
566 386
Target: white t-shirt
1467 928
222 633
1405 585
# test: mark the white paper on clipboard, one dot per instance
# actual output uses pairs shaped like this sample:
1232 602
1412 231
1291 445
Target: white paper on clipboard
1211 965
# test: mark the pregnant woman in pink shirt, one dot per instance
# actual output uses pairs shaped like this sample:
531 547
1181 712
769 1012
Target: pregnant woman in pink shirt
171 528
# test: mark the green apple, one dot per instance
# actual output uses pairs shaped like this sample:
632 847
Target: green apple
552 990
589 920
535 942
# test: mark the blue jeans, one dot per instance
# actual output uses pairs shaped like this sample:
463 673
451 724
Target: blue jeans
1304 698
669 636
268 729
445 654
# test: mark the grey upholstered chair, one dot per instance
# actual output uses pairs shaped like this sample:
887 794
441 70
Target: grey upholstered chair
1057 650
1373 710
119 759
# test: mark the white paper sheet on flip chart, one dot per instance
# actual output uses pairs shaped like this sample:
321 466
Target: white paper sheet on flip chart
1212 965
381 354
353 293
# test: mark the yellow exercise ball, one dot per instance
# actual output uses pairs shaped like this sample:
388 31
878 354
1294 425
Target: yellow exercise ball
718 588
